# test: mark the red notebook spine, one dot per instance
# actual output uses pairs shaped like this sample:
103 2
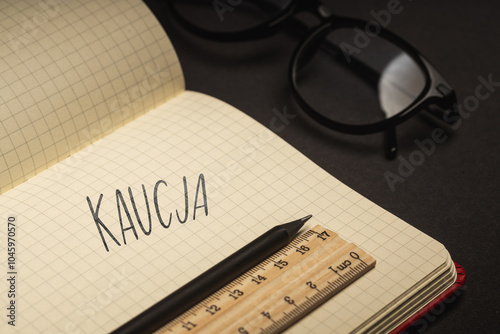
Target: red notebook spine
448 296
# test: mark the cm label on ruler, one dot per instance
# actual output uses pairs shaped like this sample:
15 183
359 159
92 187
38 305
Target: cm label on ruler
280 290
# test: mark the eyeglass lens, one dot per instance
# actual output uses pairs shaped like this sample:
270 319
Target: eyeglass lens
353 78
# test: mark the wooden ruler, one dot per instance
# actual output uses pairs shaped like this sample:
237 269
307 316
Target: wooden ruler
280 290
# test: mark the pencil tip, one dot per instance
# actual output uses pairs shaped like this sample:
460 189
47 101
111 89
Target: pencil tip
294 226
306 218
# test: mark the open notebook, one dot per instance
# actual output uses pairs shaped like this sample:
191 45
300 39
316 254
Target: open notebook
120 186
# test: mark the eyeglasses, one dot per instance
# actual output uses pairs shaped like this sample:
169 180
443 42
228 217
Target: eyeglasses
342 65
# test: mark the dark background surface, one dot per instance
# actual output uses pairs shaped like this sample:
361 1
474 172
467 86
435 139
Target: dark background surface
453 195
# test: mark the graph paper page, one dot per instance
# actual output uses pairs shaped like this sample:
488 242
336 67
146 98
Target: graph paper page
72 72
211 179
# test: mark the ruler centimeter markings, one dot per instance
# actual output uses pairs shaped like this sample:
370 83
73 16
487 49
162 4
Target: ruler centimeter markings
280 290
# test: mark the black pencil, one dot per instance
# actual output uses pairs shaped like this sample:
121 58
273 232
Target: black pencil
213 279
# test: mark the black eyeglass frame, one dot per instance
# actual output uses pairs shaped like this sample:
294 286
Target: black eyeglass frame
435 92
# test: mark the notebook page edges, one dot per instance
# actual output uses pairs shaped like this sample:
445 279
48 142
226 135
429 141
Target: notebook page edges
165 197
73 72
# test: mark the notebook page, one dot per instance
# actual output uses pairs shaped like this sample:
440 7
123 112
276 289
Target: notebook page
214 180
72 72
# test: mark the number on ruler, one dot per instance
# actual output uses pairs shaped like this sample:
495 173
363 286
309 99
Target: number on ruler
280 264
312 285
236 293
303 249
267 315
323 235
213 309
188 325
258 279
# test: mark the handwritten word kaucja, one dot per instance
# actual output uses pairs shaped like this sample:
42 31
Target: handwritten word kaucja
125 210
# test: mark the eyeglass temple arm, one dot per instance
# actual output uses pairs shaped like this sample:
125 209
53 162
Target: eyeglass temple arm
391 143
